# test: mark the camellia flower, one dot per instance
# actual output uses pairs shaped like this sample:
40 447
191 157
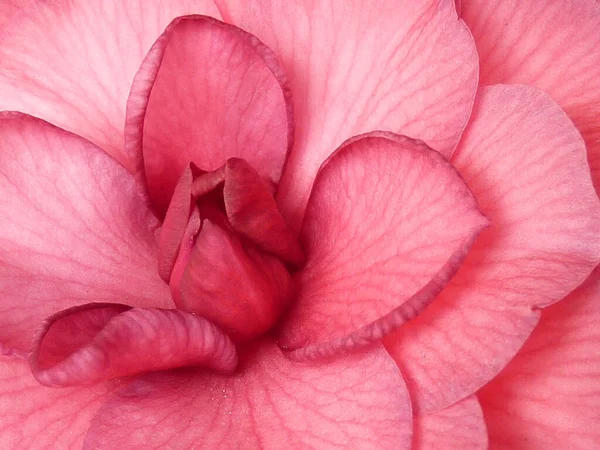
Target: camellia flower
305 224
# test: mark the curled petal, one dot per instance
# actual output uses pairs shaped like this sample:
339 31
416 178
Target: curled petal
95 342
387 226
240 289
251 209
205 92
73 229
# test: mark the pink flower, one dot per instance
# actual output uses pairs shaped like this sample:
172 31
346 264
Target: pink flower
330 214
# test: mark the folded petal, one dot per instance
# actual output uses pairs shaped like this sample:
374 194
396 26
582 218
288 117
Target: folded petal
526 164
38 417
98 341
387 225
205 92
272 403
73 229
72 63
355 66
548 393
460 426
552 45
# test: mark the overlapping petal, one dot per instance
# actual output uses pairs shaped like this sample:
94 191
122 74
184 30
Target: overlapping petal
387 225
99 341
526 164
356 402
553 45
72 230
457 427
355 67
207 91
38 417
549 392
72 62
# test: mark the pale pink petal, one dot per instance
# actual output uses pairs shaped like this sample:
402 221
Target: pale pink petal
356 66
553 45
549 394
387 225
8 8
272 403
98 341
205 92
73 229
72 62
526 165
36 417
457 427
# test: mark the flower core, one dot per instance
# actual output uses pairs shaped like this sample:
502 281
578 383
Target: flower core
226 251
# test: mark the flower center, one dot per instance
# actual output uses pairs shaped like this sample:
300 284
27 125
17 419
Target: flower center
226 251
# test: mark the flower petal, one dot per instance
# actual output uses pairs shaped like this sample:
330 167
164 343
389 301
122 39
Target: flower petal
72 63
205 92
98 341
549 393
355 66
8 8
388 219
273 403
73 229
526 165
552 45
460 426
38 417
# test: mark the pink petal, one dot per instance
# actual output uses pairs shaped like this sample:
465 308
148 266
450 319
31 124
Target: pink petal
526 165
73 229
388 219
251 209
240 289
460 426
8 8
72 63
552 45
355 66
273 403
175 224
205 92
37 417
98 341
549 394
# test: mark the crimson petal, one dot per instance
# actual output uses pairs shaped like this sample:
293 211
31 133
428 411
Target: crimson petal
99 341
205 92
387 225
